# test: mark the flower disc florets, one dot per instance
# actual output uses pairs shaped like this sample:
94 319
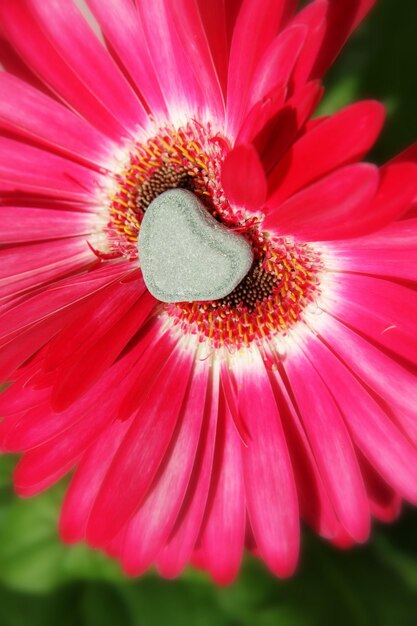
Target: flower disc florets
284 276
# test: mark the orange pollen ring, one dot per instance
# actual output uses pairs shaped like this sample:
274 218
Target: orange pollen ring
295 268
285 276
190 157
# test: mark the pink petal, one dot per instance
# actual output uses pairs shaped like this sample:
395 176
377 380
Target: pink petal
395 195
78 376
102 310
269 481
32 170
99 458
379 309
32 114
261 116
152 356
122 27
391 382
19 397
230 393
331 444
39 424
385 503
223 533
40 263
185 14
81 424
177 552
332 208
179 84
78 368
23 224
214 17
342 138
15 260
243 178
13 64
32 425
151 526
383 444
277 63
315 504
255 27
280 131
41 55
69 33
38 307
87 481
391 252
141 452
313 19
20 347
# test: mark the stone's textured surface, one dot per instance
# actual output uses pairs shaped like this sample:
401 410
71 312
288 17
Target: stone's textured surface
185 254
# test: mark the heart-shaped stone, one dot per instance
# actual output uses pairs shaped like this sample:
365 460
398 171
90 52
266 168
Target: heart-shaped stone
185 254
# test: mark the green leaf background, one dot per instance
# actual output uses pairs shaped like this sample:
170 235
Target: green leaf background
44 583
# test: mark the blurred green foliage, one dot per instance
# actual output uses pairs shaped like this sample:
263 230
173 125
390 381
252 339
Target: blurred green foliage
44 583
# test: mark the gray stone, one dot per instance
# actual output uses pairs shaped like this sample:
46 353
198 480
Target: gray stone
185 254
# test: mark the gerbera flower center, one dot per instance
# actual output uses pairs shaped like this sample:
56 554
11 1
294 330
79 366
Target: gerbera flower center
284 277
283 281
187 158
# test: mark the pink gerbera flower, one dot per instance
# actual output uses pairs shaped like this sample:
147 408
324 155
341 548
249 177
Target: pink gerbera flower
199 427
